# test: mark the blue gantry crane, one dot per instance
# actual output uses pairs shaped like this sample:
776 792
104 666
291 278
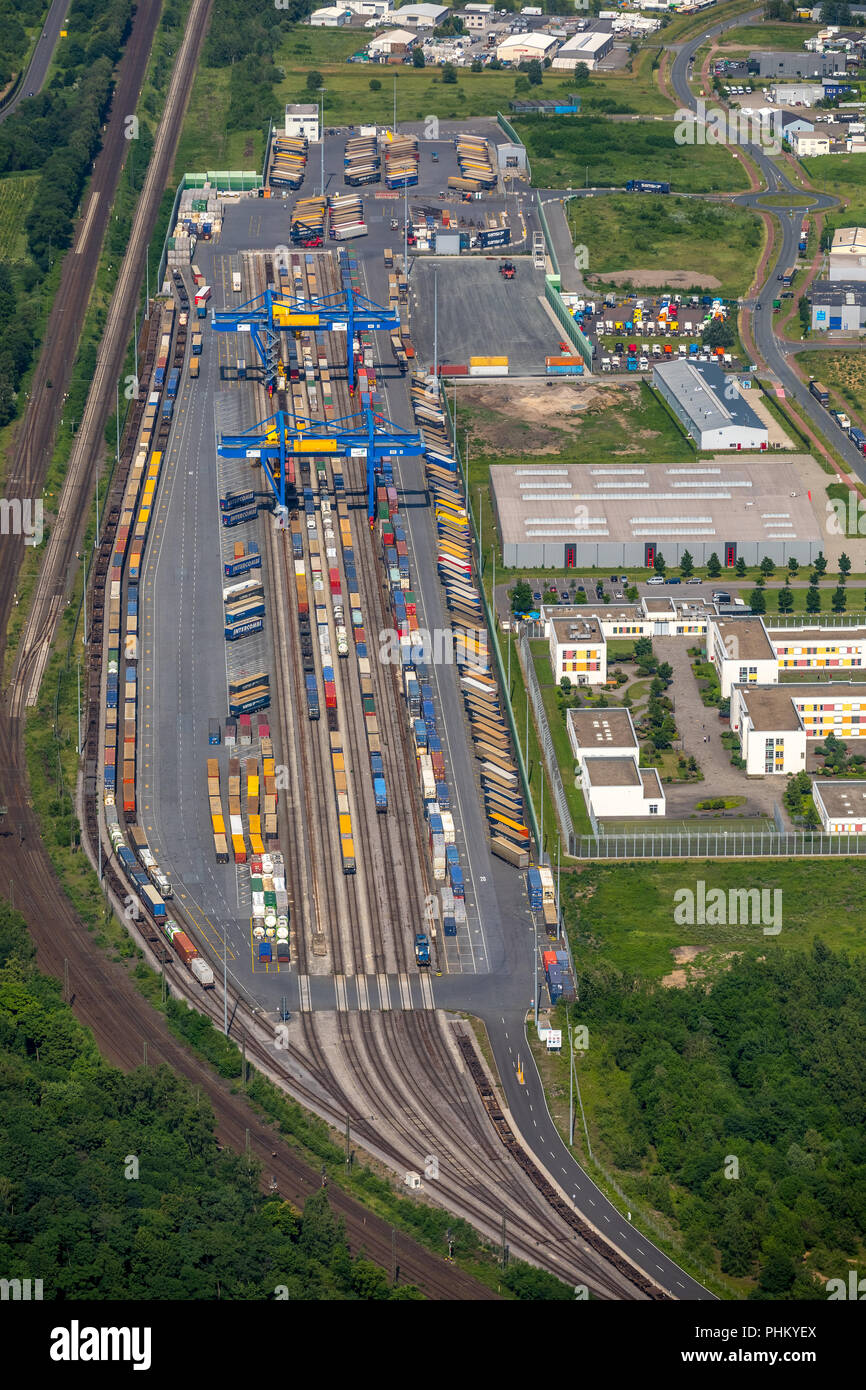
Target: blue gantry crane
274 310
281 439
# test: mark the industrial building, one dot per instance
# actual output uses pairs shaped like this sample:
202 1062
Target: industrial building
302 122
588 48
395 41
838 306
809 144
607 751
848 254
710 406
804 65
520 48
423 16
330 17
841 806
620 516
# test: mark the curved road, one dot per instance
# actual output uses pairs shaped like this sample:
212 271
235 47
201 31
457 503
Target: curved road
36 73
777 180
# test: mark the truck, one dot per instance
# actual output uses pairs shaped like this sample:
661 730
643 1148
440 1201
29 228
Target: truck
821 394
841 419
201 311
236 281
213 731
194 367
857 437
196 344
237 517
202 295
422 950
380 792
646 186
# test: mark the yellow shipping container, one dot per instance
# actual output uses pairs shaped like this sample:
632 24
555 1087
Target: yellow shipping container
345 827
219 825
488 361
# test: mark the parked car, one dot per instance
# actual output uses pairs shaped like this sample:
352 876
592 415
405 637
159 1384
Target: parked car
674 580
537 597
694 580
656 579
564 594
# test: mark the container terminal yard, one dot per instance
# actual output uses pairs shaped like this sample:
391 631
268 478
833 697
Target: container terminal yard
341 837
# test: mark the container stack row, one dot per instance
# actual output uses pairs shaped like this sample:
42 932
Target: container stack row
308 222
559 977
345 217
362 162
270 906
401 162
542 897
498 773
288 162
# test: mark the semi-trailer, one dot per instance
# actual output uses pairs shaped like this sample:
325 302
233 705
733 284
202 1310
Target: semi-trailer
821 394
246 629
238 517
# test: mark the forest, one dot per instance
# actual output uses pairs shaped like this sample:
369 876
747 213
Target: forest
113 1185
743 1110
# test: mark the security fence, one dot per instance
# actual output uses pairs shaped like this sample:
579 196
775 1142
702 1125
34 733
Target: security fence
733 844
557 791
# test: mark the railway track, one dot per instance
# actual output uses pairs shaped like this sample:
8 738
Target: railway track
49 599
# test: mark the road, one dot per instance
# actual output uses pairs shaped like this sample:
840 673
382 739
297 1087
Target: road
777 181
34 78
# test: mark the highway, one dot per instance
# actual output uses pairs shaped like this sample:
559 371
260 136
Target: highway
37 71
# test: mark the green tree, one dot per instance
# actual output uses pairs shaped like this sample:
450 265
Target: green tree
666 673
375 84
659 563
758 601
839 601
521 597
811 819
534 72
315 80
687 565
768 567
813 600
418 59
786 600
740 567
449 73
714 567
819 564
844 564
793 566
476 65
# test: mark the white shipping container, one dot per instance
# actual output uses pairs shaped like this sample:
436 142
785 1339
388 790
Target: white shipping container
488 371
237 826
202 972
448 827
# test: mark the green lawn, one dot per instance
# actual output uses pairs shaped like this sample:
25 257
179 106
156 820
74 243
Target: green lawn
624 913
16 193
205 143
788 37
666 233
844 176
569 152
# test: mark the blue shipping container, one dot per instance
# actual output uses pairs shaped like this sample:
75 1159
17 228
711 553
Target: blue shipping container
232 634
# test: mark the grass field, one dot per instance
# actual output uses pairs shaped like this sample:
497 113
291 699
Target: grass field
665 233
624 913
16 192
844 176
788 37
570 152
205 143
844 372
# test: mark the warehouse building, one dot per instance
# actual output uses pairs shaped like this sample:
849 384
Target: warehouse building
791 65
710 405
838 306
393 41
848 254
520 48
841 806
618 516
331 17
422 16
302 122
588 48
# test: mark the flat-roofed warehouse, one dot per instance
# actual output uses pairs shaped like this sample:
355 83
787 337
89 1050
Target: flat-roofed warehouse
620 516
714 413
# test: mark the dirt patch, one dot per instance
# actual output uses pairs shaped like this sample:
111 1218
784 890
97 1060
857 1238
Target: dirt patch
248 150
659 279
524 420
683 955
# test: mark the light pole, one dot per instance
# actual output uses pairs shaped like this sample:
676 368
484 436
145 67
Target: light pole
322 91
394 126
436 322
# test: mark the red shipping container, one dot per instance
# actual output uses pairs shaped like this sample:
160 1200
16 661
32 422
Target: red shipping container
184 947
264 729
110 755
334 577
360 635
402 548
240 856
548 958
451 369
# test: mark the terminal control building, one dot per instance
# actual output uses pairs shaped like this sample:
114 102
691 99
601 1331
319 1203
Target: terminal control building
710 406
619 516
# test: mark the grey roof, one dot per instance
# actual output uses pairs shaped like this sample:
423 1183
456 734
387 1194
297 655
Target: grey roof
699 387
833 292
799 64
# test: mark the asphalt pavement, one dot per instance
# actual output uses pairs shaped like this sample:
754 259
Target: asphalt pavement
37 70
